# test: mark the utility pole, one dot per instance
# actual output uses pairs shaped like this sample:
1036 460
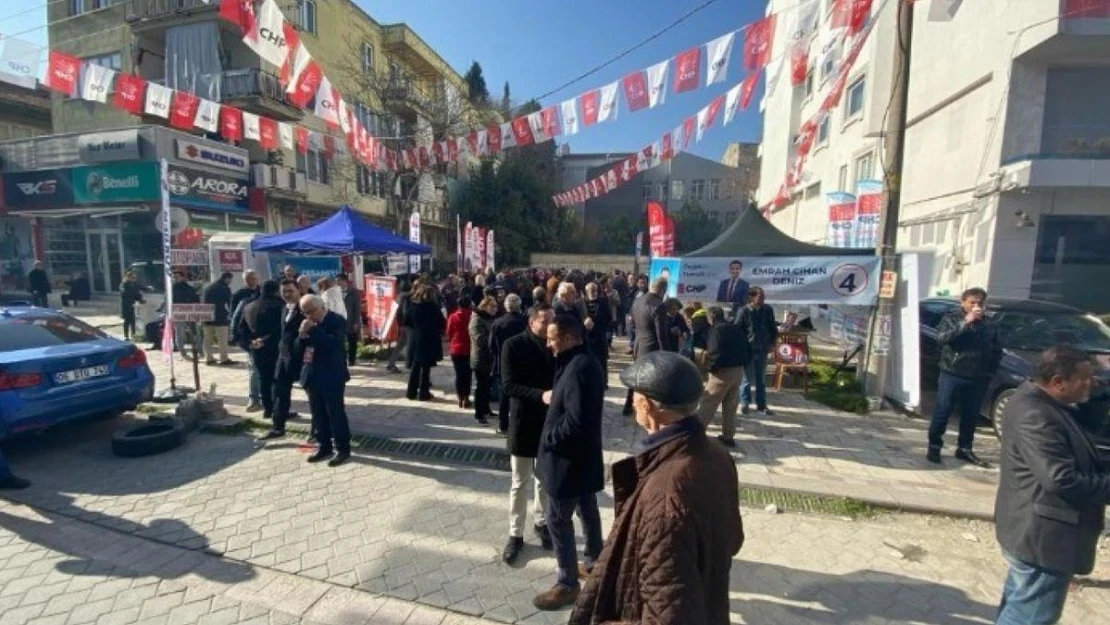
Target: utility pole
894 135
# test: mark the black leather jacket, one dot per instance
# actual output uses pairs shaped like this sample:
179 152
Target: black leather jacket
968 350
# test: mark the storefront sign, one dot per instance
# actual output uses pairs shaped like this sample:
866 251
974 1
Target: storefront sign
208 222
229 260
103 147
38 189
116 183
315 267
381 305
224 158
195 313
792 349
841 280
189 258
193 187
397 264
246 223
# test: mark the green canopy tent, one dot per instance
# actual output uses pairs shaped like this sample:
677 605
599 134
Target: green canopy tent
752 235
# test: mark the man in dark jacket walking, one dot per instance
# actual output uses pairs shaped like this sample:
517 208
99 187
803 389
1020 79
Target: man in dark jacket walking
649 320
678 523
570 464
38 284
352 299
324 375
757 322
512 323
969 355
726 355
263 322
289 360
1053 491
527 372
218 294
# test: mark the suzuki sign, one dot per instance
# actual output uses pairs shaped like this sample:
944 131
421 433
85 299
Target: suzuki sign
224 158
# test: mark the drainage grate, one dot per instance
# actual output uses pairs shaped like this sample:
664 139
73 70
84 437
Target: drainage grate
788 501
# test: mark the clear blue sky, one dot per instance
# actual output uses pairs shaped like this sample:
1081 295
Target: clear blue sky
537 46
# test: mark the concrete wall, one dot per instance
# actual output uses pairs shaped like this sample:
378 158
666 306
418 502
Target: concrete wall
589 262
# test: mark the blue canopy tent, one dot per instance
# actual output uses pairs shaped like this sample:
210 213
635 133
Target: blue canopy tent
341 234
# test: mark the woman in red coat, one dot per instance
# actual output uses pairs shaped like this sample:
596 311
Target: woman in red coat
458 338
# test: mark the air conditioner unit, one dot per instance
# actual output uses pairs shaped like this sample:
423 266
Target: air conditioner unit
278 178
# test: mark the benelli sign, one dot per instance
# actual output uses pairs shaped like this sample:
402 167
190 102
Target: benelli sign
192 187
212 156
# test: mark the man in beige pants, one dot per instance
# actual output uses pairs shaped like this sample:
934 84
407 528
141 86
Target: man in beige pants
726 353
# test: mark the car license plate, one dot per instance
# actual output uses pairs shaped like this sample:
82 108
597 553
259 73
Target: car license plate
77 375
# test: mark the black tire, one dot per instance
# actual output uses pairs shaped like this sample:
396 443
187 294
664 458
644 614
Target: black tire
998 407
152 438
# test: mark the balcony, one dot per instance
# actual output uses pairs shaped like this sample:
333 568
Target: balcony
1066 31
283 181
144 14
404 44
1071 156
259 92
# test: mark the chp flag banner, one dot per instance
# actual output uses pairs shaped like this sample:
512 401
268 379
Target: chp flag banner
491 257
380 294
167 263
414 236
19 62
839 280
869 207
842 218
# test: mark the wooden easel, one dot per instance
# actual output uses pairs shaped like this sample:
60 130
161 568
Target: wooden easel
800 344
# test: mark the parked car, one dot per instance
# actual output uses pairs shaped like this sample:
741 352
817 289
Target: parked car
1026 328
55 368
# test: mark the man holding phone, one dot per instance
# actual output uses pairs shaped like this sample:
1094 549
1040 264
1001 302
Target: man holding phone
970 354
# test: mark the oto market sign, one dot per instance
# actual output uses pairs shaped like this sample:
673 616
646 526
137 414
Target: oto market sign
193 187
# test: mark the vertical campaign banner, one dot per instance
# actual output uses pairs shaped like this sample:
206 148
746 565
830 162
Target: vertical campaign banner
657 229
491 255
842 218
380 301
869 208
414 236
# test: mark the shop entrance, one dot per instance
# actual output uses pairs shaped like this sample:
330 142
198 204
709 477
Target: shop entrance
105 259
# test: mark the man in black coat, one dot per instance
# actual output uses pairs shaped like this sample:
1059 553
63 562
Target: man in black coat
288 368
324 375
263 324
599 320
1053 490
38 284
505 327
569 463
183 293
726 354
218 294
970 353
250 292
757 321
352 300
649 322
527 372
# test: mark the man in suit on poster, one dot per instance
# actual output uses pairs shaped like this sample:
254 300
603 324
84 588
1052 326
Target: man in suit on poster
733 289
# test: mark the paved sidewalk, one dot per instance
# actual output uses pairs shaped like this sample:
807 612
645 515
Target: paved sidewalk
804 447
223 530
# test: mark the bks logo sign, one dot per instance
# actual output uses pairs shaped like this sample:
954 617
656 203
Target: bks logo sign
43 187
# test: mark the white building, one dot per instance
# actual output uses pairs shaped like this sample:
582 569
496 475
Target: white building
1007 166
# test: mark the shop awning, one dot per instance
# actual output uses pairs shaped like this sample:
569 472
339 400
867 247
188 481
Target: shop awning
342 233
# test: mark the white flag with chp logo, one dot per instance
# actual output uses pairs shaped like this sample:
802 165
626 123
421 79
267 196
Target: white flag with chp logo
96 80
250 127
158 100
608 108
267 38
19 63
569 110
208 115
718 52
657 83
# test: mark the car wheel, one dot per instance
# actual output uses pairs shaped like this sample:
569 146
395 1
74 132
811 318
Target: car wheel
998 408
149 439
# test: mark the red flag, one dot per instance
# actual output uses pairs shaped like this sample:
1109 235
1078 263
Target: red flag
240 13
746 90
799 63
668 236
632 166
472 142
758 42
550 116
522 131
453 149
493 138
130 90
231 123
437 152
302 139
293 42
267 133
687 70
61 74
689 127
806 134
307 84
841 13
329 145
390 161
657 218
667 152
1079 9
635 90
715 106
183 111
860 13
422 156
833 99
590 102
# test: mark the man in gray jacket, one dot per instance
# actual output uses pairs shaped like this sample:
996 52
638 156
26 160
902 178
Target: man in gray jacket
1053 491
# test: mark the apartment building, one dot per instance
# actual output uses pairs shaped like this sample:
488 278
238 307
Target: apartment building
1006 181
744 157
399 87
574 170
24 113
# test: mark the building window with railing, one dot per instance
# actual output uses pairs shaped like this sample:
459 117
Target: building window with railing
823 131
306 11
110 61
697 189
713 190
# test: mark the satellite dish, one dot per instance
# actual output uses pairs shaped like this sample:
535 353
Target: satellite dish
179 220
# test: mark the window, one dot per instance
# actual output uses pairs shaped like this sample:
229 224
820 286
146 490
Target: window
713 191
676 189
812 191
853 101
865 169
809 81
647 190
367 58
307 12
823 131
663 191
365 180
697 189
111 61
842 179
828 66
314 164
77 7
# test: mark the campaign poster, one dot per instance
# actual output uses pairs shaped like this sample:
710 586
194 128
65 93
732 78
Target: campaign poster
380 299
869 208
668 268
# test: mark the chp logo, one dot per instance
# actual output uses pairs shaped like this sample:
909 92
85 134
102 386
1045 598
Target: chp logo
15 66
691 289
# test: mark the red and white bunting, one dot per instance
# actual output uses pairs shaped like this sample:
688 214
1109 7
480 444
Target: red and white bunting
267 37
759 40
591 105
708 115
657 83
607 108
301 136
130 93
208 116
747 88
285 134
717 54
96 81
635 91
240 13
158 100
251 128
799 62
687 70
183 111
231 124
61 73
327 103
569 112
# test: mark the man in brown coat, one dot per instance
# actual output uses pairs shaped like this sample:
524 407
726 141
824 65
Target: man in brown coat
677 501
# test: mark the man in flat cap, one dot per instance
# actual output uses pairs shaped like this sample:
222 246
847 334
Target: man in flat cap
678 523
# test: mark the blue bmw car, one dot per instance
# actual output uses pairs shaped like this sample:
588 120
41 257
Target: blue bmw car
55 368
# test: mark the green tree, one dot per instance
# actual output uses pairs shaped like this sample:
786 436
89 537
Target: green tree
531 106
694 228
476 85
506 101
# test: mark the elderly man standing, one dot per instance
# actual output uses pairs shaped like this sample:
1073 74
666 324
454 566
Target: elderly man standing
726 355
324 375
570 464
649 320
527 372
218 294
678 523
508 325
289 360
1053 491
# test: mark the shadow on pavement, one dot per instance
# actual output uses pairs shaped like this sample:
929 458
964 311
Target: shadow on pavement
859 597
